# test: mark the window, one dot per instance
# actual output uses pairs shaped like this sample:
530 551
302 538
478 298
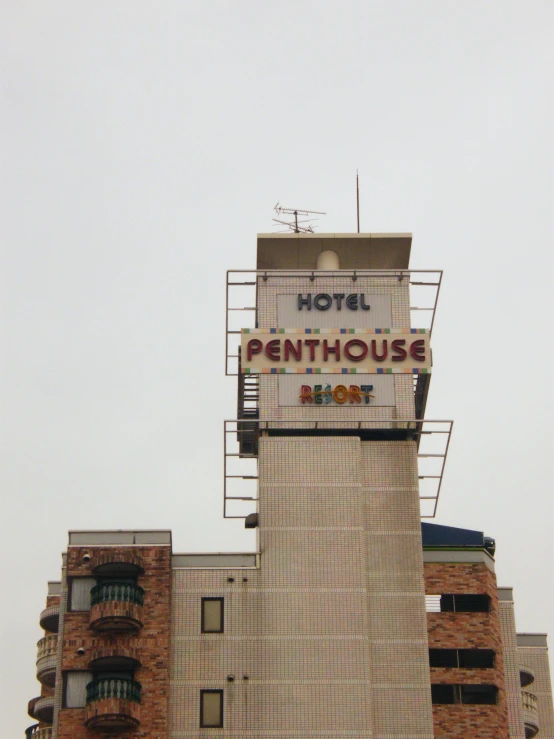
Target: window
461 658
79 598
447 694
442 694
443 657
212 616
211 709
476 657
484 694
75 689
465 603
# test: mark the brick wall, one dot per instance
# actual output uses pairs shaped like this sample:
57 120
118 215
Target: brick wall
467 631
151 643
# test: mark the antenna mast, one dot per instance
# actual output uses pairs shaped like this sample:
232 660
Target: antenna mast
295 225
358 200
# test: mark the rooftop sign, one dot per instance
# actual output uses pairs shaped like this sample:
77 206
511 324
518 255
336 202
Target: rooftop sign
335 350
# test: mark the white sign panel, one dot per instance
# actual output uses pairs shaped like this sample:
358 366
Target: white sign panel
334 310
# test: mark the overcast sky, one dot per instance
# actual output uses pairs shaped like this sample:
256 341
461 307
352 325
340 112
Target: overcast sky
144 145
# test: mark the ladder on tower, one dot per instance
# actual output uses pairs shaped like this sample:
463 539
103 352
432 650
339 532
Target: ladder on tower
248 410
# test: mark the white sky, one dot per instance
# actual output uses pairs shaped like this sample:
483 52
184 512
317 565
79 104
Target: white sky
144 145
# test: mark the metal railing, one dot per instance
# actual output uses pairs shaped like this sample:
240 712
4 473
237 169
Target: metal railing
242 304
529 701
240 469
118 591
115 687
49 618
47 646
38 732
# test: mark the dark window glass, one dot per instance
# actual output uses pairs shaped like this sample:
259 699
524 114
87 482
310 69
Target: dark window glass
442 693
479 694
443 658
476 657
212 616
211 709
467 603
471 603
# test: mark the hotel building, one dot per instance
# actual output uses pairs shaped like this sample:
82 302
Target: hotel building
353 617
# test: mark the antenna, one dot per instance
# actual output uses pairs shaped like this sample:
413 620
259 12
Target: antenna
358 199
296 224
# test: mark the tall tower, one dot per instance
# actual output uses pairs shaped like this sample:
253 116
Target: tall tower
333 356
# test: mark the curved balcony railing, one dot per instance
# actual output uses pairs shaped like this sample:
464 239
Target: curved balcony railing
38 732
46 659
42 708
46 647
50 618
530 714
116 591
112 704
116 607
115 687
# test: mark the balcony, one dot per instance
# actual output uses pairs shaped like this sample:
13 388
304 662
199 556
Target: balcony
116 607
113 704
530 714
42 709
50 618
526 676
38 732
46 659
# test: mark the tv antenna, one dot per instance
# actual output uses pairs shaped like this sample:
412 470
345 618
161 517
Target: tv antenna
297 225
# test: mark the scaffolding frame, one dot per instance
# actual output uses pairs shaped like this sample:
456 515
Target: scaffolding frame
245 433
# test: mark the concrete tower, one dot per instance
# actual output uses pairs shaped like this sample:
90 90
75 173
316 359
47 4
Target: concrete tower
341 591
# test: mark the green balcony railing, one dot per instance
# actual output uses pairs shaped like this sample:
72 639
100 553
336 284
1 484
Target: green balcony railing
115 687
120 591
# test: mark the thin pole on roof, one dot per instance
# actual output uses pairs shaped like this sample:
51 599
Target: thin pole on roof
358 199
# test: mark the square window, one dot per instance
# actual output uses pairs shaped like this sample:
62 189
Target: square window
443 694
212 616
211 709
75 688
447 603
79 593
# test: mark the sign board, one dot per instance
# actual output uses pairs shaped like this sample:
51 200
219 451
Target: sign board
335 350
334 310
362 390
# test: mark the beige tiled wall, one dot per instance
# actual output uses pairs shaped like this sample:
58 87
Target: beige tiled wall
400 689
511 668
328 638
536 658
